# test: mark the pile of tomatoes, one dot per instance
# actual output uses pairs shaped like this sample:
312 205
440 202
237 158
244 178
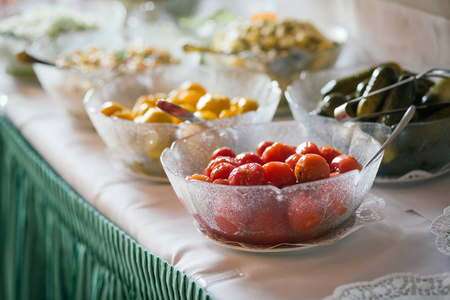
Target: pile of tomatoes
261 218
277 164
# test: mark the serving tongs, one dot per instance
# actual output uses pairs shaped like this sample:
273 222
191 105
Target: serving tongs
342 113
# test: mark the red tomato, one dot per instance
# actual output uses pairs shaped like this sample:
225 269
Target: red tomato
292 160
223 151
248 157
337 207
221 181
230 217
277 152
311 167
248 174
262 146
304 213
329 153
221 171
334 174
344 163
279 174
268 226
307 147
218 160
199 177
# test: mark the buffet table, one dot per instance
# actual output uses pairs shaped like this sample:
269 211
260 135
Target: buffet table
73 227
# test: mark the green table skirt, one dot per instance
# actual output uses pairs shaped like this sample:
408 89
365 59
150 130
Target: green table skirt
54 245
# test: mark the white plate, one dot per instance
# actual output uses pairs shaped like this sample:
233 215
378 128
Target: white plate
369 211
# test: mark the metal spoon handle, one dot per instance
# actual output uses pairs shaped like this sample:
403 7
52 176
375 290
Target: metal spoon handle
177 111
402 124
28 58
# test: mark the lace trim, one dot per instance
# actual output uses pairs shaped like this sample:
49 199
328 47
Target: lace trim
415 175
441 228
397 286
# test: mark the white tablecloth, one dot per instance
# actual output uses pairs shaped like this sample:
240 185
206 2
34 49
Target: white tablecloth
153 216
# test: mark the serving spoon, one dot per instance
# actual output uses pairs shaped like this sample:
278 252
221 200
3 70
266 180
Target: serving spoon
177 111
401 125
26 57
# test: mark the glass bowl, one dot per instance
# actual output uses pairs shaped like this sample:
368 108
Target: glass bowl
421 151
258 215
281 65
136 147
25 22
68 85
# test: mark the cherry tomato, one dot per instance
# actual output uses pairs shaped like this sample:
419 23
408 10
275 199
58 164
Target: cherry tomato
334 174
248 157
262 146
311 167
221 171
221 181
269 225
248 174
344 163
337 207
292 160
329 153
199 177
307 147
279 174
223 151
304 213
277 152
218 160
230 216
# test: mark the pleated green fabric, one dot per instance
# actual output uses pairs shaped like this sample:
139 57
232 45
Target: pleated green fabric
54 245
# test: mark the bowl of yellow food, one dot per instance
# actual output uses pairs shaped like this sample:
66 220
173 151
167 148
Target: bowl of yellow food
124 112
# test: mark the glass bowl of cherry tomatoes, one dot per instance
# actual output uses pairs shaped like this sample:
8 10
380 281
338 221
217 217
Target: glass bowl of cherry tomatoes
124 112
272 185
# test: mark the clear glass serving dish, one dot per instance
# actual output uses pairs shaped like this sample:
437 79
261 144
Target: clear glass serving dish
137 146
421 151
258 215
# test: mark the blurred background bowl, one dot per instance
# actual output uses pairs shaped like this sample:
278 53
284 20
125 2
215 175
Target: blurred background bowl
28 21
68 85
276 48
422 150
258 215
137 146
